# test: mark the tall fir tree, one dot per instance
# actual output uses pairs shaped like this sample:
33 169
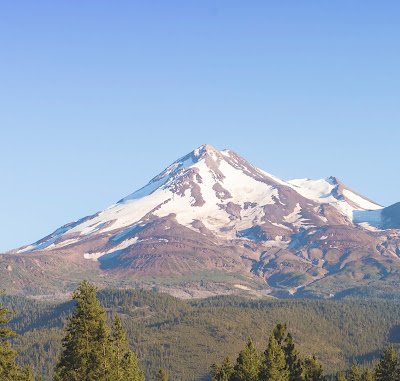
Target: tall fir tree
313 370
273 366
248 363
279 332
26 374
9 370
387 368
161 375
87 351
340 376
293 360
130 368
222 372
119 348
124 365
355 373
368 375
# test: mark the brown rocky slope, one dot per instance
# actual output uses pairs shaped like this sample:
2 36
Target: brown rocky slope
212 223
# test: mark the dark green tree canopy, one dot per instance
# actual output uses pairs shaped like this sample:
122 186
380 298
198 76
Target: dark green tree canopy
9 370
223 372
90 352
313 370
273 367
161 375
387 369
248 364
355 373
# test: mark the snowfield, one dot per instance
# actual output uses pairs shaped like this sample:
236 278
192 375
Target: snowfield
219 189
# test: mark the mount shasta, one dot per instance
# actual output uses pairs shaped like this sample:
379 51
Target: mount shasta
211 223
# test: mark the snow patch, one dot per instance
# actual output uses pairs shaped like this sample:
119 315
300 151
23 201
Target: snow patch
361 202
241 287
294 216
317 190
123 245
41 246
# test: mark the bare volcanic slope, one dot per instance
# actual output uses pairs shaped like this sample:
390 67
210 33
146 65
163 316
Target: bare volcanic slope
212 223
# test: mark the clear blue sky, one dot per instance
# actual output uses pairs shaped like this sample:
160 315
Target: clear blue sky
97 97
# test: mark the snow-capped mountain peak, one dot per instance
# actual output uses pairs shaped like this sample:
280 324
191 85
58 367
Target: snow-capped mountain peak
212 212
221 192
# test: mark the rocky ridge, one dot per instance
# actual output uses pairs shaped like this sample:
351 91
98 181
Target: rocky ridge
212 223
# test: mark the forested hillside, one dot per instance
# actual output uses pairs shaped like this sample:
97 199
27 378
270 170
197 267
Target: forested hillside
186 337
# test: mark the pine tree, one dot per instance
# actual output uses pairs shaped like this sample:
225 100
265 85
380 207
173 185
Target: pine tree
119 348
123 360
9 370
313 370
130 368
223 372
247 366
354 374
279 332
26 374
387 367
273 366
340 376
293 360
86 354
367 375
161 375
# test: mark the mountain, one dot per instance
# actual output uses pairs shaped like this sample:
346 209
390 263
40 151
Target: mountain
211 223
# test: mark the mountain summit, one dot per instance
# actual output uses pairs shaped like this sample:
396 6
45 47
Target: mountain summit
213 223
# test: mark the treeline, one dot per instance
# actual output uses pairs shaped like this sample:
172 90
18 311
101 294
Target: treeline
281 361
9 369
91 350
185 337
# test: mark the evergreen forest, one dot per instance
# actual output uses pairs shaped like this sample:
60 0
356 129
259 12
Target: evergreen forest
141 334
